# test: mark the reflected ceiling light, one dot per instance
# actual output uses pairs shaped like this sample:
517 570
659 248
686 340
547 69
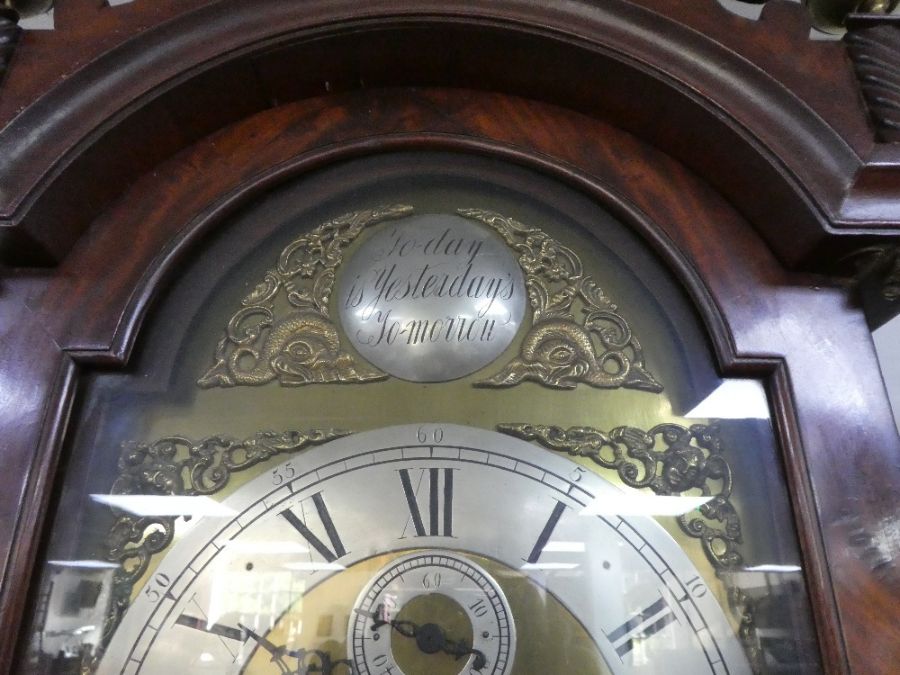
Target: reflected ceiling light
734 400
549 566
783 569
165 505
628 504
564 547
269 547
312 566
85 564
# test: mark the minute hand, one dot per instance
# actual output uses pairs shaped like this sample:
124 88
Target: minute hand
429 638
460 649
276 651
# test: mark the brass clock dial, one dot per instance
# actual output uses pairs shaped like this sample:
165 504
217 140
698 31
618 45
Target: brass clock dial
553 526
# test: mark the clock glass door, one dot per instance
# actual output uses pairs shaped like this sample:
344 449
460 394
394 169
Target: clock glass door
422 413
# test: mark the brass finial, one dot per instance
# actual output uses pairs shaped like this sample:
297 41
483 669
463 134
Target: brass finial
830 15
26 8
876 6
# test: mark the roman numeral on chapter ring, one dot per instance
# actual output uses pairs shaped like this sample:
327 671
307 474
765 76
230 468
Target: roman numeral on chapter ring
546 533
337 547
440 501
644 624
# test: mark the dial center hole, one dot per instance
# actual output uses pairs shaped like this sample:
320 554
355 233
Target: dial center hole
439 619
430 638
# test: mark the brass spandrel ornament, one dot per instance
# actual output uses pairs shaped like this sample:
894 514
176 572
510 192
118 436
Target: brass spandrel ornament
577 334
283 330
176 466
598 348
669 460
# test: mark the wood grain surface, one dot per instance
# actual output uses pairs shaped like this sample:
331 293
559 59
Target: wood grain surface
743 123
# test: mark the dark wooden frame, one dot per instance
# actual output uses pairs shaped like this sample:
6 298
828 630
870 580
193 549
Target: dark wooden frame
101 187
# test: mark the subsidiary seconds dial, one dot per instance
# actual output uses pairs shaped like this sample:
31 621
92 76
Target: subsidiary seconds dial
455 595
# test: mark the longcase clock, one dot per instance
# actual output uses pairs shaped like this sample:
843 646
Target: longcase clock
485 338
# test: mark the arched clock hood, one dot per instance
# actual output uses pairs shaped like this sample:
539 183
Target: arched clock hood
740 152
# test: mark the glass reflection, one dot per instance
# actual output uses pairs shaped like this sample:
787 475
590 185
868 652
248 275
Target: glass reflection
165 505
733 399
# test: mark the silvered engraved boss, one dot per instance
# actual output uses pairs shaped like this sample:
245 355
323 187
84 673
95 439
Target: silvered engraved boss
431 298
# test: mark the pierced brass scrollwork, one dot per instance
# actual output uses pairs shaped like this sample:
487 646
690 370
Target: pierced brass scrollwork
879 265
745 608
669 460
560 351
283 329
179 466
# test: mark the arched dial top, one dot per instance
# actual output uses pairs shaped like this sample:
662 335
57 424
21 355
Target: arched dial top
316 519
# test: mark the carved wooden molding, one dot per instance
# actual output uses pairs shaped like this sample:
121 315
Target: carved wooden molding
801 161
826 16
874 49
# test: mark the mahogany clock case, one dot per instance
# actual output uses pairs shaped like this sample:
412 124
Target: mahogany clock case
168 390
115 244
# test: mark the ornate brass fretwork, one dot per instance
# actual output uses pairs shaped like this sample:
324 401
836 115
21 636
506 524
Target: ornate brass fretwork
879 265
559 350
283 329
179 466
669 460
874 50
745 609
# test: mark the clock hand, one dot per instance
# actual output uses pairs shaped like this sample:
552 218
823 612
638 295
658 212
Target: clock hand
326 666
377 621
263 642
405 628
430 638
461 649
276 651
